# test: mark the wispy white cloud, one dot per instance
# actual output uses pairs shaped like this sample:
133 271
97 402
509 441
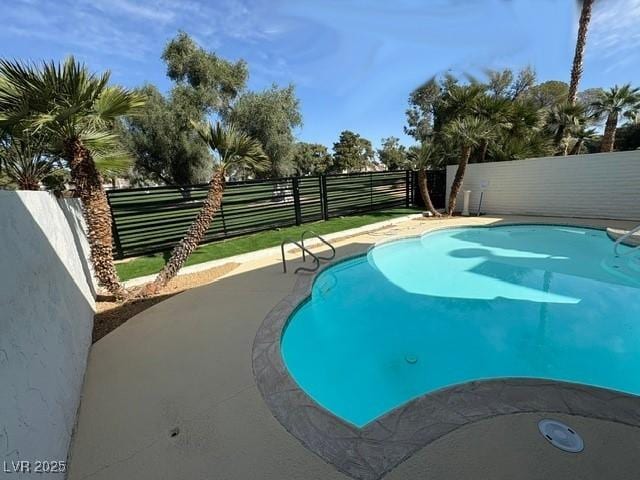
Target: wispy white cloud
614 32
128 35
131 28
150 11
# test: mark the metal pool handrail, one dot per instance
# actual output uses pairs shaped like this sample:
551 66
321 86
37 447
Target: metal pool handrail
304 249
315 235
622 239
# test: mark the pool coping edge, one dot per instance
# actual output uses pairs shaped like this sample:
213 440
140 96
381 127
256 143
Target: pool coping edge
369 452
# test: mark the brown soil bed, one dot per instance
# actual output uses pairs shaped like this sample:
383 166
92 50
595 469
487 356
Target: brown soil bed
111 314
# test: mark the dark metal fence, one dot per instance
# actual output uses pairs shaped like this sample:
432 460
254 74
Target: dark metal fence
437 182
153 219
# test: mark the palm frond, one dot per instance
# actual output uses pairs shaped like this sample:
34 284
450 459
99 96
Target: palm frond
616 100
116 101
469 131
233 148
110 157
426 155
23 161
112 164
62 100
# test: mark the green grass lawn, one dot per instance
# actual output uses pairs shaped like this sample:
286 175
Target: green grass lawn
225 248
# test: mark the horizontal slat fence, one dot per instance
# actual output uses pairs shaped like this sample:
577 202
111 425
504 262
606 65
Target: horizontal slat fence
153 219
437 183
354 193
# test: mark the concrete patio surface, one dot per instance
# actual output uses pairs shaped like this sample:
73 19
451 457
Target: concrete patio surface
170 394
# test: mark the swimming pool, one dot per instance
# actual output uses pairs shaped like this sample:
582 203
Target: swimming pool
417 315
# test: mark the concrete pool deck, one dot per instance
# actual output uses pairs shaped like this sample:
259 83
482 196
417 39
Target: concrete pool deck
171 394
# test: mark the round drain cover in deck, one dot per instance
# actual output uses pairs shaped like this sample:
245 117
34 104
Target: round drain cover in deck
561 436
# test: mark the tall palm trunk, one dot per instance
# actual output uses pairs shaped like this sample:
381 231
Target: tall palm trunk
194 235
97 215
609 135
424 191
576 70
457 180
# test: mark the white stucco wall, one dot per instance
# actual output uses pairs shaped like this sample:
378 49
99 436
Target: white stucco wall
601 185
46 317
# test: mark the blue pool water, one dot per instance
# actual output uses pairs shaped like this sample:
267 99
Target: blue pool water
464 304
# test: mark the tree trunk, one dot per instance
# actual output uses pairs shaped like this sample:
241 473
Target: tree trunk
575 150
457 180
576 70
97 215
193 237
28 184
557 140
609 136
485 148
424 191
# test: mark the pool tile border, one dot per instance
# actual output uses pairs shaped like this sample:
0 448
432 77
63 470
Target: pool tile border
368 453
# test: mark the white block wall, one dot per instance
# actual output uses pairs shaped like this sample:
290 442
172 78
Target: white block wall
46 317
601 185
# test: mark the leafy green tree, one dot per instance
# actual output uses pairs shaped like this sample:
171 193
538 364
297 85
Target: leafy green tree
393 155
351 153
612 104
75 110
203 81
587 98
504 84
165 146
164 151
311 158
421 113
528 119
270 117
548 94
499 82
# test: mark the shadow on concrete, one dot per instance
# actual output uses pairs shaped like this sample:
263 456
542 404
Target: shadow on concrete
109 320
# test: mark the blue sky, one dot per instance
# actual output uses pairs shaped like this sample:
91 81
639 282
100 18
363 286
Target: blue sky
353 62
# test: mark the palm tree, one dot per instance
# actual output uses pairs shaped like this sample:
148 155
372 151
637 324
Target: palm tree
232 150
23 161
457 101
580 135
562 119
468 133
424 157
76 110
612 104
576 69
632 116
496 111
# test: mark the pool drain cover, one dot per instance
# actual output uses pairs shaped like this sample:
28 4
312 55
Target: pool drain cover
561 436
411 359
